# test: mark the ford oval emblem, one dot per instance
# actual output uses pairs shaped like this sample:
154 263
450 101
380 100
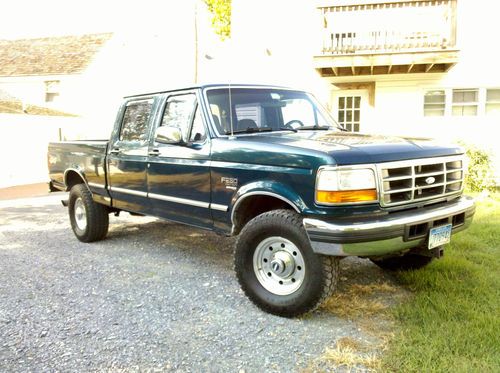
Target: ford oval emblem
430 180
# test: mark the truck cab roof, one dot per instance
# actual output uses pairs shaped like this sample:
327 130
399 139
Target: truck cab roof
179 88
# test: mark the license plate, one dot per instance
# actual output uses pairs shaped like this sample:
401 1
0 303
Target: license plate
439 236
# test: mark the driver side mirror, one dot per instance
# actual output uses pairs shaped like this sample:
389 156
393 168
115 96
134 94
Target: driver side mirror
169 135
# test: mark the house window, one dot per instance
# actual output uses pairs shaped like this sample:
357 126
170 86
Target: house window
51 97
434 103
493 102
349 112
51 90
464 102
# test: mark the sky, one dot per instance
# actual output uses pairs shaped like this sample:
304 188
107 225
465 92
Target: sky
28 18
35 18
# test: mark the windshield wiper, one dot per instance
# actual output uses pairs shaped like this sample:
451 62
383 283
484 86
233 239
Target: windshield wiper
287 129
323 128
315 128
251 130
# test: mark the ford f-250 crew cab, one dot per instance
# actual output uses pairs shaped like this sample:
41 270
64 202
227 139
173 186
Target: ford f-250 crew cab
268 164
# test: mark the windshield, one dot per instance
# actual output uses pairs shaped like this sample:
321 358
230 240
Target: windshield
266 109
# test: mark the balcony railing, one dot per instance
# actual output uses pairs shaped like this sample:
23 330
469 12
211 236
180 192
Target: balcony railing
372 27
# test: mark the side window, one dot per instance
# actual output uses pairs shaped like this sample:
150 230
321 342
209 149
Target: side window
178 112
135 121
198 132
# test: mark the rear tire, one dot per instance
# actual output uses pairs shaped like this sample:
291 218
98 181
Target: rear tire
277 268
404 262
89 220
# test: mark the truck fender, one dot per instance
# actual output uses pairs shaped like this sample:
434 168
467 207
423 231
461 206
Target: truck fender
74 173
267 188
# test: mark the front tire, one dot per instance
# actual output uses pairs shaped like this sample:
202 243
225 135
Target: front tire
89 220
278 270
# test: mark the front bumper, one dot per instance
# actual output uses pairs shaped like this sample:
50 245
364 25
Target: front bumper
392 233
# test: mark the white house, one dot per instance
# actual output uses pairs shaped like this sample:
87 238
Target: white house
400 67
70 86
39 79
47 71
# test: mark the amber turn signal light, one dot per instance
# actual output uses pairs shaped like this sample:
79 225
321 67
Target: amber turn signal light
346 196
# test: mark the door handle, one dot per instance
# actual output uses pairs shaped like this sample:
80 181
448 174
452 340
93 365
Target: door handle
154 152
114 151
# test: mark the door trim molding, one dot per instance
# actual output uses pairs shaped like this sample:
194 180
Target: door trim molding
184 201
128 191
96 185
166 198
215 206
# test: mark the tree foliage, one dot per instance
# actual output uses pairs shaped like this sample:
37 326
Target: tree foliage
221 19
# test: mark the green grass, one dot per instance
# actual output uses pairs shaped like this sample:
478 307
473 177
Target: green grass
452 322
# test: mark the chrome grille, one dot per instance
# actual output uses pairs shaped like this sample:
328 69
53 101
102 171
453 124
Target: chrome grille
407 182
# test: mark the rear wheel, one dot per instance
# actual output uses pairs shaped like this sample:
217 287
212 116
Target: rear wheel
89 220
277 268
403 263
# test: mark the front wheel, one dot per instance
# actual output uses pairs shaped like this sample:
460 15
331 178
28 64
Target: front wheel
89 220
277 268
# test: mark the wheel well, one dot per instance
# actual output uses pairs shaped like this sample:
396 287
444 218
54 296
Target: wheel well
72 178
252 206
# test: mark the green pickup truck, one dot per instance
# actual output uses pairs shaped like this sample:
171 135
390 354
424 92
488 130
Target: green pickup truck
270 165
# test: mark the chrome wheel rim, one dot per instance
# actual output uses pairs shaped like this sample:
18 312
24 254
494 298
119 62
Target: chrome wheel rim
80 214
279 265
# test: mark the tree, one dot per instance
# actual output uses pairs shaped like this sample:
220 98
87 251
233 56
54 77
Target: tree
221 20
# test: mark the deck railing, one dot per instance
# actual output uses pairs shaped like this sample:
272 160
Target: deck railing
397 26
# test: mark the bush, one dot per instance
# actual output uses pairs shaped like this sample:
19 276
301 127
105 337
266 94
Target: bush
479 176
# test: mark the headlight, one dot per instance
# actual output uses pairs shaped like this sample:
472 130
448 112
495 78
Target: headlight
345 186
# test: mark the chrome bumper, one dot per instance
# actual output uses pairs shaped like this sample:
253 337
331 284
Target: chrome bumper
391 233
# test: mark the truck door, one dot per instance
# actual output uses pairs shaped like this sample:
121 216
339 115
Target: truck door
128 157
179 174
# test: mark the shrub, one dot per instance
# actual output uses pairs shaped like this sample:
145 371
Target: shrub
480 175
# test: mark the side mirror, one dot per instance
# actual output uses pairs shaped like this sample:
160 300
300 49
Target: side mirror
168 135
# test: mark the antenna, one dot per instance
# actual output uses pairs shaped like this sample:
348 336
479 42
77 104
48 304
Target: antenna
230 111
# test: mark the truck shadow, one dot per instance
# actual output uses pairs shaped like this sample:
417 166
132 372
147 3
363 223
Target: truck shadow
363 289
152 234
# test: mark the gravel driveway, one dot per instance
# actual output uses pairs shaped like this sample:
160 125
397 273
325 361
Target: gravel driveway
153 296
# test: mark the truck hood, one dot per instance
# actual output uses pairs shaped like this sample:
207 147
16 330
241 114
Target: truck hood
348 148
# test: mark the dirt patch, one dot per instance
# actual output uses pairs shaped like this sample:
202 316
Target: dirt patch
365 296
23 191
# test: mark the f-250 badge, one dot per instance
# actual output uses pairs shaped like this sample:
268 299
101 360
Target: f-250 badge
229 182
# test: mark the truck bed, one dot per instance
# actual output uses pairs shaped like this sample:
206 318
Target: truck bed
84 157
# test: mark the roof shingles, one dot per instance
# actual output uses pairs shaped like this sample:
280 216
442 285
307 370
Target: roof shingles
49 56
